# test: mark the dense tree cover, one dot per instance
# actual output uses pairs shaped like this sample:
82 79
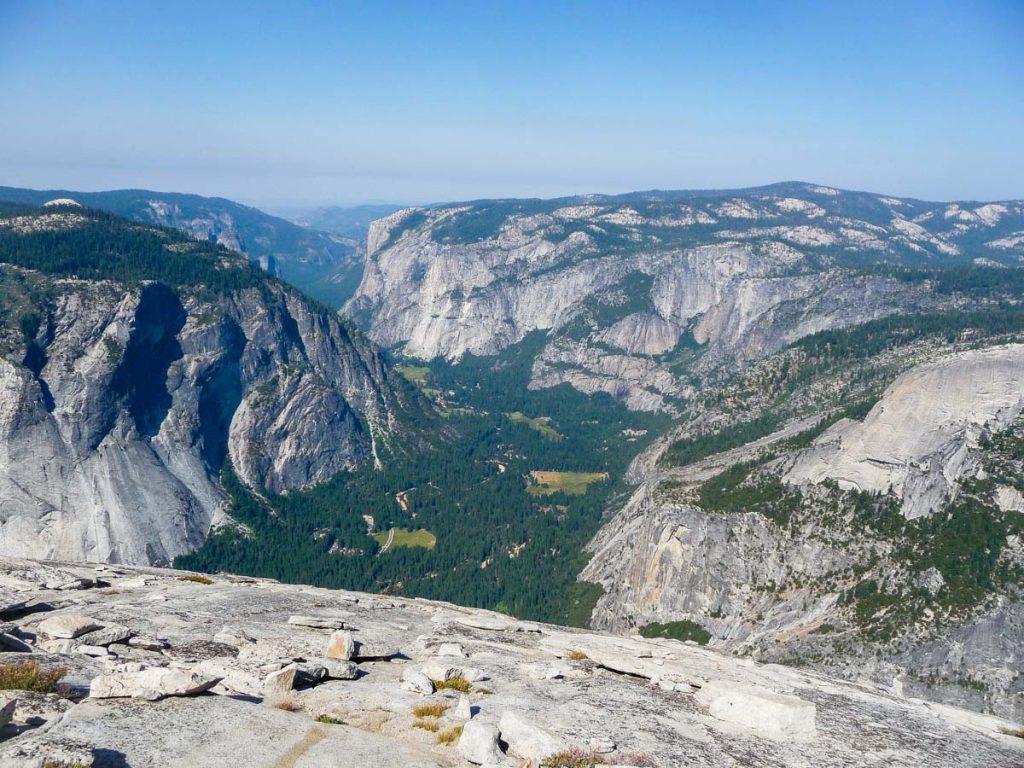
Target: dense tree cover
677 630
106 247
687 450
469 490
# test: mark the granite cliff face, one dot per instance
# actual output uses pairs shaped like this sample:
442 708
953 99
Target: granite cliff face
626 286
891 548
123 399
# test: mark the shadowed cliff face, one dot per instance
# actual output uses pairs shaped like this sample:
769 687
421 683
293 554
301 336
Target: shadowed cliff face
141 377
122 401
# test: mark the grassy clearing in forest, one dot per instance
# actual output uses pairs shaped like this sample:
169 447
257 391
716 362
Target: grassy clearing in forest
414 373
572 483
540 424
405 538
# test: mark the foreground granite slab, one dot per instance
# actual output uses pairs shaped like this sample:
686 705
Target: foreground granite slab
622 700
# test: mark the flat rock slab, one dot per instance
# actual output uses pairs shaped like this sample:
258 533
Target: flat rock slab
317 622
68 625
217 731
759 710
153 683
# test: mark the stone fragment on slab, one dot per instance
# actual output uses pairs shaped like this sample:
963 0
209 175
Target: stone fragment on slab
309 673
68 625
341 645
479 743
337 669
366 651
775 715
463 710
451 649
152 684
317 622
280 682
112 633
601 746
147 643
233 636
527 739
416 681
236 676
7 710
57 752
57 646
10 643
33 707
199 650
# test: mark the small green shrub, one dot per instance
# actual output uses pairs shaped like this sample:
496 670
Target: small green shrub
677 630
29 676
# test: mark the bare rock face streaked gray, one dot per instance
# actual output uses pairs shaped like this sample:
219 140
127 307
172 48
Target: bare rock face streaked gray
113 431
616 282
763 590
657 703
915 442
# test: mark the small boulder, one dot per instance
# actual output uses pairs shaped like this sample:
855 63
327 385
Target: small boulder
9 642
68 625
232 636
153 683
7 710
414 680
527 739
463 710
338 669
147 643
112 633
451 649
280 682
341 645
479 743
34 708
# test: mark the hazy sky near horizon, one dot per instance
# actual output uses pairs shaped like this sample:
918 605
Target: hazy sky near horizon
308 102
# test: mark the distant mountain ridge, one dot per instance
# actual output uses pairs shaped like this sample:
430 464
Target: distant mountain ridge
326 266
631 288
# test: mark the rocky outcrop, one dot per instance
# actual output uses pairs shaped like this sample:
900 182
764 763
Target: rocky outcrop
916 441
621 286
261 699
119 410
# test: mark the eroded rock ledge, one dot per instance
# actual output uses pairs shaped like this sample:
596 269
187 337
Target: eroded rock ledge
164 668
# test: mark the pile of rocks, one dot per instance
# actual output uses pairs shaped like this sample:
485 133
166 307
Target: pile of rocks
161 668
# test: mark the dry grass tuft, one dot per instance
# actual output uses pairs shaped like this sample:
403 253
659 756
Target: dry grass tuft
437 709
449 735
195 578
426 725
29 676
288 703
460 684
1018 732
577 656
572 758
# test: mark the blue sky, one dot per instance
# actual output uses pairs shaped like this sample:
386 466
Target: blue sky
302 102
